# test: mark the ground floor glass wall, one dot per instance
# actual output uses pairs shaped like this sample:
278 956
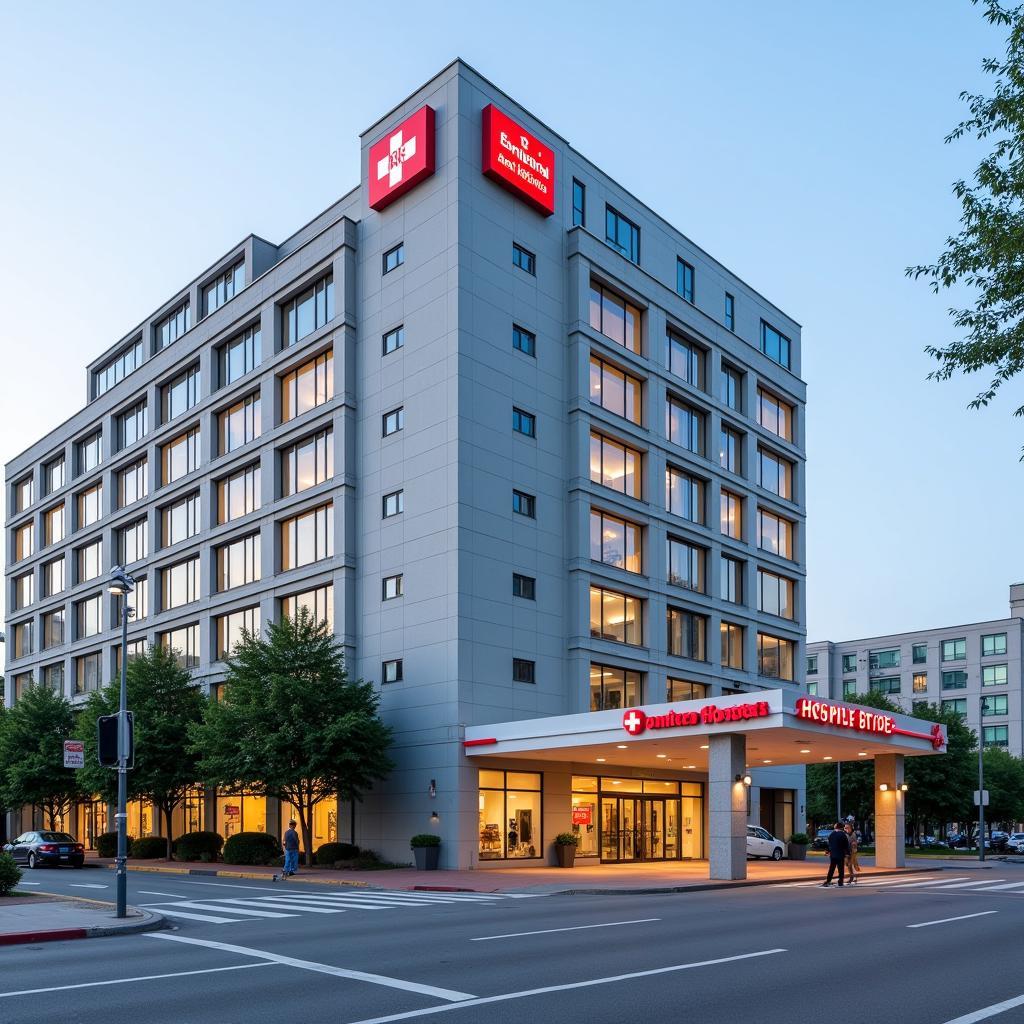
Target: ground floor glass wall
325 822
510 815
240 812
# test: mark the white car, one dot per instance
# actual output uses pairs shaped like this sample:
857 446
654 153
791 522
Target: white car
1016 842
761 843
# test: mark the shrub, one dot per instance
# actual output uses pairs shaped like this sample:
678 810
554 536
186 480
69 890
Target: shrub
424 839
204 846
799 839
106 844
148 848
566 839
331 853
10 874
252 848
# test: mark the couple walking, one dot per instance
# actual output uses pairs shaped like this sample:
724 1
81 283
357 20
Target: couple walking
842 852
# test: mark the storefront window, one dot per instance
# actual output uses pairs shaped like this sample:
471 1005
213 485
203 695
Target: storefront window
241 812
584 815
325 822
510 824
650 819
143 819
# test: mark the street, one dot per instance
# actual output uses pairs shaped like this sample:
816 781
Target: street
933 947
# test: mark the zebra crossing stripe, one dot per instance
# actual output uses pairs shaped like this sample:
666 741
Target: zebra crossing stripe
974 881
208 918
937 881
234 910
267 902
996 888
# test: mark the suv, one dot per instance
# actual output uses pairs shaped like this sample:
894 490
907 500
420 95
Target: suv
820 840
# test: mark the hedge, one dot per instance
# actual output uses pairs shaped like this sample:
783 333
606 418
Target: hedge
10 874
106 844
252 848
330 853
203 846
148 848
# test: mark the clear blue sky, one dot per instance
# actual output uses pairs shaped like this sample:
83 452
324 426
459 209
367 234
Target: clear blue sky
801 143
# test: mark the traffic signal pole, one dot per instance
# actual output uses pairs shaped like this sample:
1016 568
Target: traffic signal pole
121 861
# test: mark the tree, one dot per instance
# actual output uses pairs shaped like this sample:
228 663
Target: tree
32 735
165 704
291 724
1004 780
987 256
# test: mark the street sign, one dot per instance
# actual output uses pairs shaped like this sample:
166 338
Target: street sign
981 798
74 754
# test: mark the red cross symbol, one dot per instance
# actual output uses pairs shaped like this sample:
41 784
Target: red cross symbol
634 722
938 740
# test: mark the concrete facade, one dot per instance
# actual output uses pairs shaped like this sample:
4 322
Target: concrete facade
457 625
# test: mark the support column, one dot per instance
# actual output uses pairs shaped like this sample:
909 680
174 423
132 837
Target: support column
727 807
889 815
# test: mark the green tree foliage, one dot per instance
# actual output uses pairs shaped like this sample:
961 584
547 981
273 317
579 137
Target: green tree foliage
986 257
291 724
165 703
1004 780
32 735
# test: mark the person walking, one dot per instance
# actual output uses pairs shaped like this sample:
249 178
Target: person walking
291 851
852 863
838 850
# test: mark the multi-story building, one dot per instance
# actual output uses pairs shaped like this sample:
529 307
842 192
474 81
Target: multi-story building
974 669
529 449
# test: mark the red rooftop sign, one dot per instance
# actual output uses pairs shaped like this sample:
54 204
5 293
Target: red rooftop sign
861 719
402 159
518 161
635 721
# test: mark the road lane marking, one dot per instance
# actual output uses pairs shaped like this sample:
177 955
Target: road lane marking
309 965
29 883
128 981
270 904
574 928
937 881
149 892
946 920
996 888
483 1000
975 881
989 1011
232 910
87 885
208 918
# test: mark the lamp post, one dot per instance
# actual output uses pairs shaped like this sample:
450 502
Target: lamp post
121 584
981 777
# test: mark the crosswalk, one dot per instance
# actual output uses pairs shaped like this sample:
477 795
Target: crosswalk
239 909
960 884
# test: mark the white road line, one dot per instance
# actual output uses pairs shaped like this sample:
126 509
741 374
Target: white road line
891 881
320 901
128 981
310 965
946 920
975 881
574 928
149 892
87 885
482 1001
989 1011
997 888
267 901
378 903
208 918
937 881
195 905
30 883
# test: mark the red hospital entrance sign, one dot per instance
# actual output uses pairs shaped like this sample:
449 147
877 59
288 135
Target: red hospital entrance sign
861 719
518 161
402 159
635 721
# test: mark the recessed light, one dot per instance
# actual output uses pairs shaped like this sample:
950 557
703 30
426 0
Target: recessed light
827 757
621 746
601 760
862 753
704 746
616 782
766 761
805 750
691 766
661 755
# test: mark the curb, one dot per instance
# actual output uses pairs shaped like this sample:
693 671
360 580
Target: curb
150 922
215 873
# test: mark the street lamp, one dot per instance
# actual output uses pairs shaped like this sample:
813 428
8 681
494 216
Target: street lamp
981 777
121 585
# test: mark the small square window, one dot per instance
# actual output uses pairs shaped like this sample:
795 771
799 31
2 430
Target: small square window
394 340
684 279
391 587
524 587
394 258
391 671
524 504
393 504
524 259
523 671
394 421
523 340
730 312
524 423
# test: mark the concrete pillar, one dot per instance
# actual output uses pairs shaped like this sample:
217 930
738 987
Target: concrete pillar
889 813
727 807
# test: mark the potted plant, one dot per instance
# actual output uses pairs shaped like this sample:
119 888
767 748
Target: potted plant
565 848
426 849
798 843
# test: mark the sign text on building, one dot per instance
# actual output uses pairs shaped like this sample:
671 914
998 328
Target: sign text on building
582 816
635 722
402 159
518 161
861 719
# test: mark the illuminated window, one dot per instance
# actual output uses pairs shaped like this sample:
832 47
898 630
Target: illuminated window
183 643
614 317
615 390
24 541
614 688
615 616
730 449
23 639
775 656
54 525
682 689
228 629
775 415
308 386
920 682
614 465
319 602
732 645
307 312
88 672
616 541
510 823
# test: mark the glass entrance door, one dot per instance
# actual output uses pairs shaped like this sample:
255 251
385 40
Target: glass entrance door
639 829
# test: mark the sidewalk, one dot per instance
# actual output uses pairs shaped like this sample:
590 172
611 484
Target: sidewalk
40 918
677 876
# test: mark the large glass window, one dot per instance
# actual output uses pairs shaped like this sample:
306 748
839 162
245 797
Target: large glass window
238 494
132 482
730 449
996 736
90 505
732 514
774 594
683 689
229 627
884 659
88 616
994 675
684 425
239 424
225 287
775 656
88 672
53 628
23 490
614 317
138 601
954 680
687 634
132 543
732 644
179 521
686 565
319 602
183 643
774 344
775 415
684 495
118 368
53 577
173 326
684 279
954 650
89 452
730 388
54 529
995 704
886 684
993 644
615 390
614 465
53 677
24 590
615 616
307 386
24 541
919 653
180 394
849 663
53 474
920 682
774 473
23 642
731 579
307 463
613 688
238 562
685 360
307 312
622 234
239 356
307 537
510 815
90 560
180 457
180 584
616 541
774 533
133 424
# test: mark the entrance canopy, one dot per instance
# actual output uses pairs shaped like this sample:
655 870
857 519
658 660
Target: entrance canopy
781 727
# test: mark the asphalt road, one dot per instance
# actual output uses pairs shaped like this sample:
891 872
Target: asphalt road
929 949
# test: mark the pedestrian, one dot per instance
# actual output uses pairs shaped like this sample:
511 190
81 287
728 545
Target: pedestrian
838 849
852 863
291 851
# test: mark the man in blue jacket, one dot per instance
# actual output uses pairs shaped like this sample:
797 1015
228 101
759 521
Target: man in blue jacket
291 852
838 851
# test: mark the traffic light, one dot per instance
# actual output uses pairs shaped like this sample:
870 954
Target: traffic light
106 740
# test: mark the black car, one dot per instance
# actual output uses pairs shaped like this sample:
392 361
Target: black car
38 848
820 840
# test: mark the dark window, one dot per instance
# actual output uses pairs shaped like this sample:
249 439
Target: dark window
524 340
394 421
622 234
579 202
687 634
393 504
392 587
524 504
812 664
394 257
523 671
614 688
886 684
730 312
849 663
684 279
524 586
391 671
394 340
524 259
920 653
524 423
774 345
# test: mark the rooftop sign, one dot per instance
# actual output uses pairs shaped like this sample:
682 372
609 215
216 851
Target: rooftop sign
402 159
518 161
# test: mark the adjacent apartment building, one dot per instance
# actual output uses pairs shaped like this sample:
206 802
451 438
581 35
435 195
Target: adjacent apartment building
973 669
524 445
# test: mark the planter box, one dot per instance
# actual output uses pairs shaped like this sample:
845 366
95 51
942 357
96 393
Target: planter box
426 857
797 851
566 855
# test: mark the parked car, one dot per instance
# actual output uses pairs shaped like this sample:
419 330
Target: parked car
998 841
38 848
820 840
1016 841
761 843
931 843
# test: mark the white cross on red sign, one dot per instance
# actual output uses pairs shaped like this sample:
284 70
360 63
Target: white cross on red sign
634 722
402 159
398 152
